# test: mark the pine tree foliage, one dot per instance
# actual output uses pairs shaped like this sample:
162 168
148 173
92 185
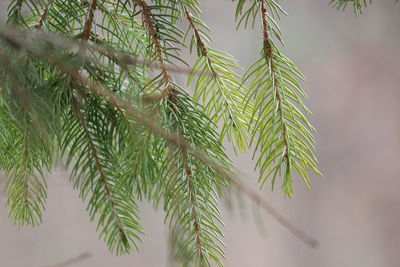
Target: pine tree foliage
281 133
91 83
217 85
358 5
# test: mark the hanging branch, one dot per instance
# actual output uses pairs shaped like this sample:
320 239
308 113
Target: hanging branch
218 87
102 174
358 5
130 133
281 133
191 192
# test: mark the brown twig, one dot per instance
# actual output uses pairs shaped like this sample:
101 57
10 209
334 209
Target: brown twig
41 19
266 27
151 28
269 57
89 21
200 42
193 199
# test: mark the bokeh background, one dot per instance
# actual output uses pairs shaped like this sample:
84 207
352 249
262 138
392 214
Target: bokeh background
352 65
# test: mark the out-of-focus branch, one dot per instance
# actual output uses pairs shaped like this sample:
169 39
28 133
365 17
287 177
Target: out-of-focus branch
72 261
255 196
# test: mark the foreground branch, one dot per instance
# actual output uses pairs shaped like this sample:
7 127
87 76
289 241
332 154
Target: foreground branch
19 40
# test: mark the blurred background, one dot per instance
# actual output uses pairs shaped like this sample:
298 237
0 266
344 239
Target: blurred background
352 65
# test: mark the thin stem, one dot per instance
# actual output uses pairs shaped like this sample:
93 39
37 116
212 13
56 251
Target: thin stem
89 22
151 28
193 199
269 57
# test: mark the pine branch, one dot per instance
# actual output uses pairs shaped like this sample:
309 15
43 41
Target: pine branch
192 187
96 172
24 159
219 88
128 109
281 132
185 228
358 5
130 133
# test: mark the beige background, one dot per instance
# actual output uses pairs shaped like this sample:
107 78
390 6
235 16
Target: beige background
352 67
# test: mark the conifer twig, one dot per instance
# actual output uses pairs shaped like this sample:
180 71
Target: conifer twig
269 56
193 200
41 19
100 168
171 94
147 21
89 22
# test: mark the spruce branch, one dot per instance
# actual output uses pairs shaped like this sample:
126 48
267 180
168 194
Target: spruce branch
218 87
41 19
96 173
281 132
101 171
126 108
358 5
130 133
184 214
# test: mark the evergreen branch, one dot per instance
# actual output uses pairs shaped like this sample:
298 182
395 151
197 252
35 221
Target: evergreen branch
193 200
43 15
200 156
24 157
221 92
174 105
170 93
190 200
284 140
26 143
97 172
358 5
100 169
